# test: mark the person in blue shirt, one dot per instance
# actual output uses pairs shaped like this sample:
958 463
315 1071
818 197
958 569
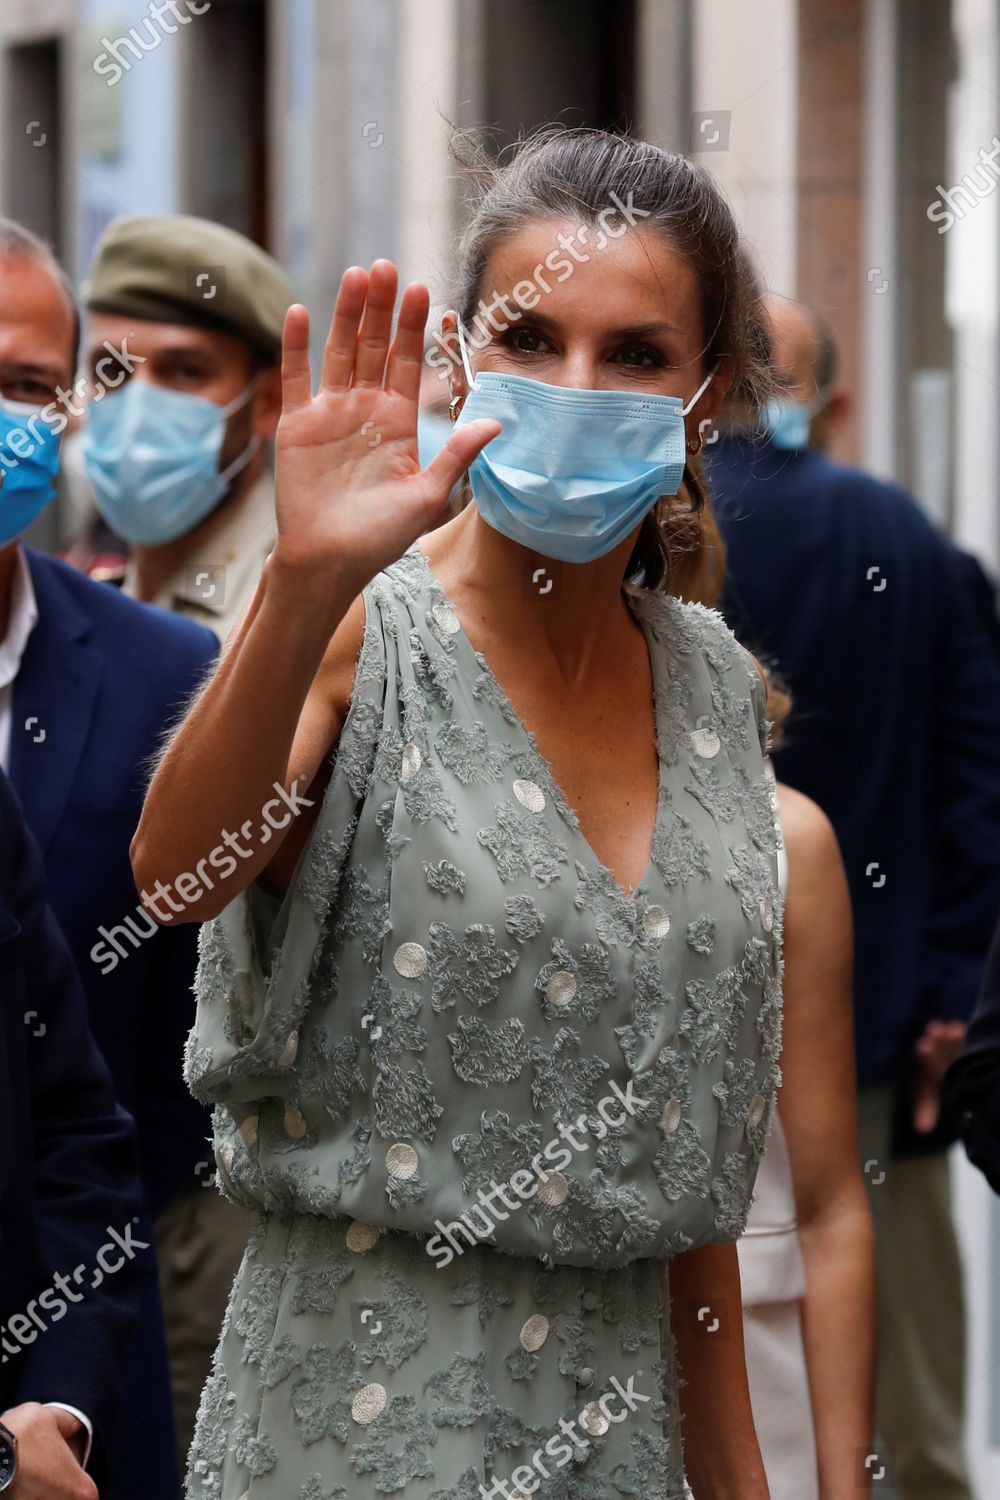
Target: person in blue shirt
885 632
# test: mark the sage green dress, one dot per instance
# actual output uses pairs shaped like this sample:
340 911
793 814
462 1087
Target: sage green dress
479 1094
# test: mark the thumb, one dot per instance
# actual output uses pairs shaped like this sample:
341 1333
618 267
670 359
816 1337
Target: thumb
926 1101
69 1427
448 465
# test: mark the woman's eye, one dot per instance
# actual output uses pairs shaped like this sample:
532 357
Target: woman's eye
525 341
641 356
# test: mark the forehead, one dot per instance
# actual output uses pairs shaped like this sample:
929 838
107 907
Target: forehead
635 278
151 340
36 319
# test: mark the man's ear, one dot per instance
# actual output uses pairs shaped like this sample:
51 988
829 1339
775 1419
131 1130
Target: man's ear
835 415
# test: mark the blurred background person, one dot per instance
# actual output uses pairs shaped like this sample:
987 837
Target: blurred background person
69 1295
842 584
89 681
176 454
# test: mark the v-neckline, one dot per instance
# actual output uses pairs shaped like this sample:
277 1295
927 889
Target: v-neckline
513 717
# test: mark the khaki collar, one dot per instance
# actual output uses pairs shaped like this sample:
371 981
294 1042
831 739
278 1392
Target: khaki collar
218 572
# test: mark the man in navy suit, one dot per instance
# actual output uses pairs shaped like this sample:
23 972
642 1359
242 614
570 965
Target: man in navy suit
69 1202
886 635
89 683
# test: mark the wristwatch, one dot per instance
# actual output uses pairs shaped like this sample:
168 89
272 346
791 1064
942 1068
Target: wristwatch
8 1457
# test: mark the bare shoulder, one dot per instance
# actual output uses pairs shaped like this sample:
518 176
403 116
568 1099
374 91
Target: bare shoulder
810 841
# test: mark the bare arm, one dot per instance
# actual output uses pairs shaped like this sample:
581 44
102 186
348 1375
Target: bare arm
721 1453
819 1115
346 508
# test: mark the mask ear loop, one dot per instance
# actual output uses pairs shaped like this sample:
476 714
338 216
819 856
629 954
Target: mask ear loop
456 401
694 448
239 463
244 396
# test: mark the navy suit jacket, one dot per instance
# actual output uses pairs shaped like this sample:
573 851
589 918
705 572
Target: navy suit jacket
886 635
68 1169
102 677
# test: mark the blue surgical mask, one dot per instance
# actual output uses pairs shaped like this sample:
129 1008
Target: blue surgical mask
28 466
572 472
152 456
433 431
788 422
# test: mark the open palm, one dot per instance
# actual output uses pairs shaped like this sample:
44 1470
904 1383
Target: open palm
351 495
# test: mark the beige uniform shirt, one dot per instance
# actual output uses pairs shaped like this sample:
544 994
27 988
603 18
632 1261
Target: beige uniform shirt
215 588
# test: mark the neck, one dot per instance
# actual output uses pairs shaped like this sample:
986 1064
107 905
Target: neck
156 565
573 613
8 564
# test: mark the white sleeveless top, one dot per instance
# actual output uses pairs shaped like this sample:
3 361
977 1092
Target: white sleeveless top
771 1265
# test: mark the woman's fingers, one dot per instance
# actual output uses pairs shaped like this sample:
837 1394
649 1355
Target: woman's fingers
376 325
406 357
342 340
448 466
296 377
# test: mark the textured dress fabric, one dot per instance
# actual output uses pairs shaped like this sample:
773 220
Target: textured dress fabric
478 1094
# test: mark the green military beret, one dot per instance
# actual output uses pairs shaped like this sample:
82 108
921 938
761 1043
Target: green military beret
172 268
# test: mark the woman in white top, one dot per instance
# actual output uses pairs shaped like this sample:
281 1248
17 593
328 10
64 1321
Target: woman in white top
807 1260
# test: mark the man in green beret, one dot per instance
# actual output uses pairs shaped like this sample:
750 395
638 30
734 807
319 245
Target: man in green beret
174 444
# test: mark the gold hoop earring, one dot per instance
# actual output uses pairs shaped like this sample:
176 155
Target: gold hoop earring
694 448
454 407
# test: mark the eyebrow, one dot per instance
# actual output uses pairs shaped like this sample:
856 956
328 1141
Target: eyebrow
169 351
634 330
21 367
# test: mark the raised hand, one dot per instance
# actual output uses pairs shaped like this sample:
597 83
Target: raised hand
351 495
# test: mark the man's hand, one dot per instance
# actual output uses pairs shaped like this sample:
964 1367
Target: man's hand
936 1050
48 1442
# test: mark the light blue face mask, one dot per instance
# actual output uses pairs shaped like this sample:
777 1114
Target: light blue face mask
152 455
572 472
29 461
788 422
433 431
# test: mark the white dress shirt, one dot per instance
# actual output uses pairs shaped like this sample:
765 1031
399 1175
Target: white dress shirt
23 617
